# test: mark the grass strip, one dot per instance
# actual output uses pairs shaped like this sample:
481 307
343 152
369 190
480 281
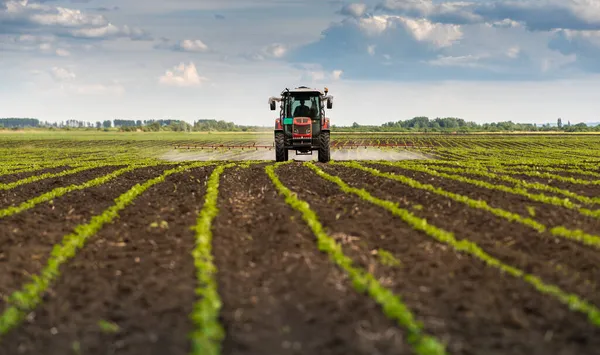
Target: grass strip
208 333
60 191
362 281
25 300
576 235
468 247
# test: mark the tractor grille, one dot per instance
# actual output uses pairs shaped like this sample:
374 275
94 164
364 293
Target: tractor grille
304 129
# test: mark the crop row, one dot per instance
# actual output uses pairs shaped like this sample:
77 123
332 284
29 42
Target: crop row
208 333
465 246
539 197
23 301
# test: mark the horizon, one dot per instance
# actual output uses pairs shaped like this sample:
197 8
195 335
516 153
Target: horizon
383 60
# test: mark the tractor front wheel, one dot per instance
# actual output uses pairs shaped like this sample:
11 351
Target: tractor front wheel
324 155
281 154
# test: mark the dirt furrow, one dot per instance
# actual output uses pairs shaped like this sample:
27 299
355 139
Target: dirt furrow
8 178
547 214
28 237
137 273
280 294
474 308
580 189
20 194
513 243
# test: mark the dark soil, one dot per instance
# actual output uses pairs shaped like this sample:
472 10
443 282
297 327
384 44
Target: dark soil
476 309
20 194
547 214
8 178
513 243
581 189
135 275
280 294
28 237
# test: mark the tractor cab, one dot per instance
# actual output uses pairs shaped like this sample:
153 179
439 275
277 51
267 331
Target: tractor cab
302 125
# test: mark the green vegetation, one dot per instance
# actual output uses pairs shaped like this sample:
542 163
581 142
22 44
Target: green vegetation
468 247
22 302
362 281
208 334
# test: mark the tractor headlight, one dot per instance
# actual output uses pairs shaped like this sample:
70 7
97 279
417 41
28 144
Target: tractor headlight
295 130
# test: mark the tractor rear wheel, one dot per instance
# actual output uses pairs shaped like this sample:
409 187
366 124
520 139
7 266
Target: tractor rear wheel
324 155
281 154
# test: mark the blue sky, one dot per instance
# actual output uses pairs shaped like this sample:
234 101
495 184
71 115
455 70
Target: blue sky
383 60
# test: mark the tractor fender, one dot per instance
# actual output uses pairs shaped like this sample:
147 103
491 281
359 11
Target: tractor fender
278 125
326 124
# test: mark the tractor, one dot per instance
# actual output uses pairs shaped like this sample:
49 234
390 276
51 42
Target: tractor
302 125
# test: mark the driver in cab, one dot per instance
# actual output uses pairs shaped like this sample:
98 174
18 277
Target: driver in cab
302 110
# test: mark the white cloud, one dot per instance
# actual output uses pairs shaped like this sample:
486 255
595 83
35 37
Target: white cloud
439 34
25 16
354 10
62 52
60 16
272 51
458 61
62 74
193 45
513 52
371 49
275 50
541 15
182 75
186 45
337 74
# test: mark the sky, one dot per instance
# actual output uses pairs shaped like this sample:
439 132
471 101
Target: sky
383 60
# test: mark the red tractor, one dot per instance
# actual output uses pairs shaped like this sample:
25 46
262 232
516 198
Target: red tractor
302 125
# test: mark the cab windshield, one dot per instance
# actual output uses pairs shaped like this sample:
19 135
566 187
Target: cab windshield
304 106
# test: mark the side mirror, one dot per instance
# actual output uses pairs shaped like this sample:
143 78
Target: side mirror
272 104
329 104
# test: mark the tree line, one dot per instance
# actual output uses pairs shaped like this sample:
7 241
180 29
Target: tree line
452 124
415 124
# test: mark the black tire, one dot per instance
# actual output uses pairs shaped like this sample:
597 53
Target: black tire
324 155
281 154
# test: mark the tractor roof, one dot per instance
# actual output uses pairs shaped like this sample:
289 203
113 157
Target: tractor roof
305 90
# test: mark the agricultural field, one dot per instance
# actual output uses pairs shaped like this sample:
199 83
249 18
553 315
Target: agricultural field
156 243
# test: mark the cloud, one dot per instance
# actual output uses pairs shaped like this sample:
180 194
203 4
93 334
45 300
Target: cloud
354 10
34 17
186 45
422 40
62 52
182 75
62 74
105 9
219 17
46 45
583 45
110 31
538 15
337 74
368 46
272 51
444 12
